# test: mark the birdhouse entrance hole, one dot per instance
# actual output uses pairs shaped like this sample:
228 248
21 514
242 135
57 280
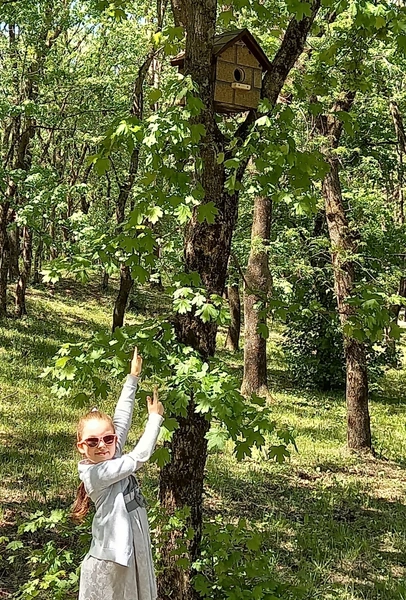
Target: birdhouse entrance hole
239 75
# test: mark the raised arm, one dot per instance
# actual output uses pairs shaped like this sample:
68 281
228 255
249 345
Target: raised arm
97 477
145 447
125 405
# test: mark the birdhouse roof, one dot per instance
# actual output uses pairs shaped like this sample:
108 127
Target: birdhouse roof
225 40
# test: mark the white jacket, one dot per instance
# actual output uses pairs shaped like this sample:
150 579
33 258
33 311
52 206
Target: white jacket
105 482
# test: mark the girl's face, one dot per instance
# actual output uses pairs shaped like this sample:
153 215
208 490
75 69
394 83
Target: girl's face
98 441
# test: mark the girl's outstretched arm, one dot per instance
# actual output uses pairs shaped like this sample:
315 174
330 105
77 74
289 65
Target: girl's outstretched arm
145 447
97 477
125 405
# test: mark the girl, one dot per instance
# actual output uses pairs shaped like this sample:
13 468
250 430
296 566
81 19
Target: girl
119 564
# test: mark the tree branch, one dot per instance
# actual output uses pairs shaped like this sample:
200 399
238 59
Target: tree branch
290 49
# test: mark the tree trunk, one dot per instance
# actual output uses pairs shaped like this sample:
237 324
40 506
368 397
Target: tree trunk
126 283
342 242
206 251
4 257
233 335
399 213
20 307
38 255
358 422
258 283
105 282
14 245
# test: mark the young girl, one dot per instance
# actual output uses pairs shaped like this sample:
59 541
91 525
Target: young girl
119 563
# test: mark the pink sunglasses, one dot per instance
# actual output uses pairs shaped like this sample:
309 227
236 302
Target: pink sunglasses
93 442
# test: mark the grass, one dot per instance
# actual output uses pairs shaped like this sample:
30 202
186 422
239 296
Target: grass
335 522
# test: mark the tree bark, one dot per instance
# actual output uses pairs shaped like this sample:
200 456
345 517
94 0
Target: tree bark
20 306
105 281
234 329
399 213
397 119
126 283
14 245
257 286
343 245
4 257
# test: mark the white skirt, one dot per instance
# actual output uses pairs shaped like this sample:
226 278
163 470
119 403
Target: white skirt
107 580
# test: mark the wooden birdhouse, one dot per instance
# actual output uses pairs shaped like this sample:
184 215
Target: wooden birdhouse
239 64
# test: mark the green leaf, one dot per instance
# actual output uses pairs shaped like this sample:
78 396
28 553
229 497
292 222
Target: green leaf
161 457
154 214
380 22
207 212
279 453
226 17
154 95
182 563
101 166
16 545
169 426
148 178
182 305
242 449
254 543
139 273
61 362
395 331
232 163
81 399
197 132
216 439
263 331
207 313
183 213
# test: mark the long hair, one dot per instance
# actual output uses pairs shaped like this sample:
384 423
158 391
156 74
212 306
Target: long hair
81 504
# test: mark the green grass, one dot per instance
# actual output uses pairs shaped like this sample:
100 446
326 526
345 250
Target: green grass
334 521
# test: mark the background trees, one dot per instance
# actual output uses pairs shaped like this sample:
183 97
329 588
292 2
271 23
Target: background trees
113 164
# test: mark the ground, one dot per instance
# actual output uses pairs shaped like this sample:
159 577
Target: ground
333 522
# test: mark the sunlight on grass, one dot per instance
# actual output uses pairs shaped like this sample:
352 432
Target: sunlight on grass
334 521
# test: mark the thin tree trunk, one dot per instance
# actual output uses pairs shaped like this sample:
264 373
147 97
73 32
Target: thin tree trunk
343 247
14 246
38 254
233 334
399 213
4 256
105 281
20 306
258 284
126 281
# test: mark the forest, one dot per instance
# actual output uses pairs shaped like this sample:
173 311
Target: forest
221 185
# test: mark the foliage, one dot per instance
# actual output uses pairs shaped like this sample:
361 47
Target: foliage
182 375
235 563
53 563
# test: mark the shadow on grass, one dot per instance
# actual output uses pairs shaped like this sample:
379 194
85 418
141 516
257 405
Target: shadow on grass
328 535
392 388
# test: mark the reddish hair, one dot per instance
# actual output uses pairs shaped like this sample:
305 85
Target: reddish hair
81 505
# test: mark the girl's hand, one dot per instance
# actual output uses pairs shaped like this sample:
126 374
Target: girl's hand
136 364
154 405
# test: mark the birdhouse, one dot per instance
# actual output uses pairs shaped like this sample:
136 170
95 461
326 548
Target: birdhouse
239 64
